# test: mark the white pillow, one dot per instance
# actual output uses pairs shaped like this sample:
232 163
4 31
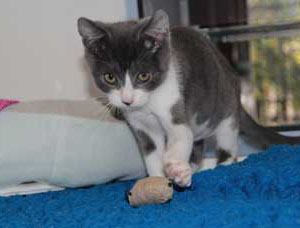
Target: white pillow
66 143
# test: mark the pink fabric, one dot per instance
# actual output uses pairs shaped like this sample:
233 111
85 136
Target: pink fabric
5 103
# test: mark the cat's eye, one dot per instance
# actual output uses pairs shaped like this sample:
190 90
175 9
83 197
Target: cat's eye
109 78
144 77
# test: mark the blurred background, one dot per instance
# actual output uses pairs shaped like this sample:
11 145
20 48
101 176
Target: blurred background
41 55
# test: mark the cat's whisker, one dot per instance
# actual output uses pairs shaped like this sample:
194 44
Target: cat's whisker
116 112
107 110
103 100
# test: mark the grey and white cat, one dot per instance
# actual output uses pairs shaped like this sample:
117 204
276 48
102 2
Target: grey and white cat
174 89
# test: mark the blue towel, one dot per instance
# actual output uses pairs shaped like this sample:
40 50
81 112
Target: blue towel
262 191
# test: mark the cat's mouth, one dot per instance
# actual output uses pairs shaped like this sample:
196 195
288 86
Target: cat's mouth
129 108
118 113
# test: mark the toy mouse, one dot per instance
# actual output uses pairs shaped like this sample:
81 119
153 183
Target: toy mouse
151 190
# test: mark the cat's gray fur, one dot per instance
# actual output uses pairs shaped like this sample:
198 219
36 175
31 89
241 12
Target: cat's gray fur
193 94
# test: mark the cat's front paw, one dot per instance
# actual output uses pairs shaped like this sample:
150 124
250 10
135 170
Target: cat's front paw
179 171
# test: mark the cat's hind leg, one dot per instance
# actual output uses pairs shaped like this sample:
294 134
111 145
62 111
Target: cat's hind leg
226 135
197 155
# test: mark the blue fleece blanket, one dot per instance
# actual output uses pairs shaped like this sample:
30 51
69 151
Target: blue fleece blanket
262 191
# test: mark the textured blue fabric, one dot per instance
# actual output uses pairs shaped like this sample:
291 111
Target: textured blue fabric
262 191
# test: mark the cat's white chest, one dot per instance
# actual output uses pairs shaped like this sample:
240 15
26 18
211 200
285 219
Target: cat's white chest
166 95
157 112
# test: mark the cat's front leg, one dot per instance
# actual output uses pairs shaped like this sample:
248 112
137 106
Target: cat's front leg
152 151
177 155
151 139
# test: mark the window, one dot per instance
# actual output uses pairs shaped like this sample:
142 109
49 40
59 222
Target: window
269 60
276 76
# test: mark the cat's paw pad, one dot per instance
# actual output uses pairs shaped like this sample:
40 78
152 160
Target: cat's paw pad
180 172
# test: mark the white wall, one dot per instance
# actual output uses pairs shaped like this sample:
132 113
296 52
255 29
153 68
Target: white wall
41 55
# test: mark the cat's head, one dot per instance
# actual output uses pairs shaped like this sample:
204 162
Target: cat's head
128 60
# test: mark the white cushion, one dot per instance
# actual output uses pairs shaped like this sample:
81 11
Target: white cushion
65 143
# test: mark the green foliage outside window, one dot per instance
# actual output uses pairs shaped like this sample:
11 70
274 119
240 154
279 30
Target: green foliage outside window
276 64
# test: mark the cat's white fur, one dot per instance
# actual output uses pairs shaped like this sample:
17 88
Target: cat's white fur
127 93
200 131
227 138
144 120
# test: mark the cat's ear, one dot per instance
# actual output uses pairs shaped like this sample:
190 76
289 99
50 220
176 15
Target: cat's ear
156 26
89 31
